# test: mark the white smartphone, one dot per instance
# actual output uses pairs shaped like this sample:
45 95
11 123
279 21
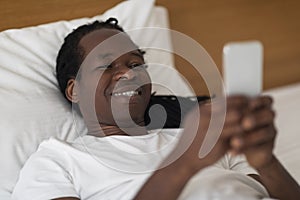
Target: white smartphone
243 68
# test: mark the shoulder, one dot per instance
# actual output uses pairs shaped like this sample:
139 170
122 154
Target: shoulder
49 153
52 143
46 173
51 147
54 146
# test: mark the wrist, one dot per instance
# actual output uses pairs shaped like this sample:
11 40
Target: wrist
268 166
189 166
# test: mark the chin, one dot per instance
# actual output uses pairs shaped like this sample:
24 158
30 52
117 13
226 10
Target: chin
130 123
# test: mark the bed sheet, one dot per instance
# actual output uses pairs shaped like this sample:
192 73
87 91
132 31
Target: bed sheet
287 108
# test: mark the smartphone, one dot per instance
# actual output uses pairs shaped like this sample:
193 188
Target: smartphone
243 68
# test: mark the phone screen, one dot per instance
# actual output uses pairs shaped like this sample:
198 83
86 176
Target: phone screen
242 68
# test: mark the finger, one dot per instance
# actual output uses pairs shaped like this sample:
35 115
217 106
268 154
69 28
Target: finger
258 119
259 156
232 102
233 116
259 137
235 109
260 102
258 149
237 101
242 140
236 144
231 131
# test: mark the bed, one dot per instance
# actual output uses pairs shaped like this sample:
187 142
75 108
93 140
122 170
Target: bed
32 108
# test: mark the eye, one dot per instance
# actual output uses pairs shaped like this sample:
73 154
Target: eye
105 66
135 65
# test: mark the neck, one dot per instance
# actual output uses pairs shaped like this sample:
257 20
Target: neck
108 130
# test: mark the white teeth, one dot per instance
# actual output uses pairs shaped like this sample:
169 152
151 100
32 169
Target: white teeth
127 93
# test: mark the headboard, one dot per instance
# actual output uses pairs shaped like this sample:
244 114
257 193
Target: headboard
211 23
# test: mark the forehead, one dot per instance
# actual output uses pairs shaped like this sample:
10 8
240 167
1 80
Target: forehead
106 40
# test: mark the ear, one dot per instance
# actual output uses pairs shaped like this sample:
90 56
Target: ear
71 92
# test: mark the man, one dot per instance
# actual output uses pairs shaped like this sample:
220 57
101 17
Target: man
119 159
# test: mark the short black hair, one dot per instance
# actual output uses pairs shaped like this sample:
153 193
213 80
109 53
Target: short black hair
71 55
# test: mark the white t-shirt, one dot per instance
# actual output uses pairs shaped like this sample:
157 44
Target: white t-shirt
116 167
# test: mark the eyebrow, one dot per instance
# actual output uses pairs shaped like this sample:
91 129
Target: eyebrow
106 55
139 53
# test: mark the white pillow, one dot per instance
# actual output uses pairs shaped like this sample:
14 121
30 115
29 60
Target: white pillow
32 107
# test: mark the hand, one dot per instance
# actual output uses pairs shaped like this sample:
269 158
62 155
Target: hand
236 106
257 141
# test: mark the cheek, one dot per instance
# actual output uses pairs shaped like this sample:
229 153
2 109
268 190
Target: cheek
92 90
143 76
102 108
147 85
102 96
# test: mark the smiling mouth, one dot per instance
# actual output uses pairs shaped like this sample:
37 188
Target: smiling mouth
127 93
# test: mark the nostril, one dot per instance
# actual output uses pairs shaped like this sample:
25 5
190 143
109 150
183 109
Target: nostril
123 78
125 74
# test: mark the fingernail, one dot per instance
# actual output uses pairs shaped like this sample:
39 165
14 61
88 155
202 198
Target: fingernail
237 142
248 123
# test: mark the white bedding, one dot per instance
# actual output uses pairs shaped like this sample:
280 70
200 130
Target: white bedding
287 107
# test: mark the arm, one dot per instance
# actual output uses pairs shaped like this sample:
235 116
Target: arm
168 182
257 144
279 183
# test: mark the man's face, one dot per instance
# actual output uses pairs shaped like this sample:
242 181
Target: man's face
113 79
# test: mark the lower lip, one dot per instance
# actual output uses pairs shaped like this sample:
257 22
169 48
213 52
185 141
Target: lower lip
128 99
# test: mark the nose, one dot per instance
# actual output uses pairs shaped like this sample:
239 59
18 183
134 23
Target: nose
124 73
